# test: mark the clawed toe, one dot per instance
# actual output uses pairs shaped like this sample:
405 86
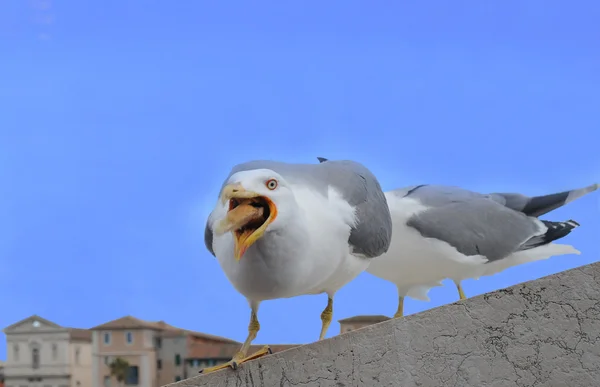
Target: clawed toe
237 360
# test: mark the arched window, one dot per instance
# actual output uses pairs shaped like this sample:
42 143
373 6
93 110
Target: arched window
129 337
35 358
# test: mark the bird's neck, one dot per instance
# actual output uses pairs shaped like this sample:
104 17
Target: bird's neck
290 240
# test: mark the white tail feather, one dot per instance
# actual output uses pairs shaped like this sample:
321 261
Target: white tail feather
531 255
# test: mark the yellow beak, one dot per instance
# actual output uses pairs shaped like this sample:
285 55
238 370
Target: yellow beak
242 215
236 191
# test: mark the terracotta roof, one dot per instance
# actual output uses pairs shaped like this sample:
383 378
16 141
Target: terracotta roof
167 330
80 334
226 351
163 325
212 337
366 318
201 335
130 322
173 333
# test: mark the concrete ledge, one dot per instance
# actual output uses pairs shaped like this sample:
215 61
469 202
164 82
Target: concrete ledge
540 333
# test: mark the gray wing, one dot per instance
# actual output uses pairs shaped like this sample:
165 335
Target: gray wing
473 223
540 205
436 195
372 234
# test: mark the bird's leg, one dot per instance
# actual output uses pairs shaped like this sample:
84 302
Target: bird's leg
240 357
461 293
400 311
326 317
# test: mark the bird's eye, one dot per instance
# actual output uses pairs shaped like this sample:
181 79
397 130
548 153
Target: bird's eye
271 184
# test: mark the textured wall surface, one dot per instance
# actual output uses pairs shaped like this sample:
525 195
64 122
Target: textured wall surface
541 333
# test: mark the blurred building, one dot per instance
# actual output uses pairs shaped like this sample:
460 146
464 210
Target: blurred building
1 373
157 353
41 353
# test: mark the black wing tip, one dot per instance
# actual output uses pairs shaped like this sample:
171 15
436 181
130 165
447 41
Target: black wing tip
540 205
557 230
572 223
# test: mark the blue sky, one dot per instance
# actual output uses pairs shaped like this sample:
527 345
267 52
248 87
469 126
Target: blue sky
120 119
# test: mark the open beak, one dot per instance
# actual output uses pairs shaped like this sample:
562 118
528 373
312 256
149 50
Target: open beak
248 216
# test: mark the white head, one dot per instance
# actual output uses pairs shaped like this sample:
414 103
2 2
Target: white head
259 201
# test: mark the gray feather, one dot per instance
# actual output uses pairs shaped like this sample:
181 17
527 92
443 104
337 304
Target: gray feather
471 222
437 195
208 238
478 224
540 205
371 236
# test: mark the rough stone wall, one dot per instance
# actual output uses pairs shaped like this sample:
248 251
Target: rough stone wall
541 333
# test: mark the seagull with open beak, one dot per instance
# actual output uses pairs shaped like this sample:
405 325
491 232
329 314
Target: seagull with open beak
282 230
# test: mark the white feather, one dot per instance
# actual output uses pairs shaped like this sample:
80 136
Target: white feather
417 264
315 261
414 264
537 254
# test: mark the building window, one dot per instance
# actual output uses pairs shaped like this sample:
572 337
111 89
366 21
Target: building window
107 381
16 352
77 353
157 342
177 359
129 337
132 377
54 352
35 358
159 364
106 338
177 378
107 360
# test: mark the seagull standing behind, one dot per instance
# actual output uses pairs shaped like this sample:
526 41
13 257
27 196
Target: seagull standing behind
447 232
283 230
